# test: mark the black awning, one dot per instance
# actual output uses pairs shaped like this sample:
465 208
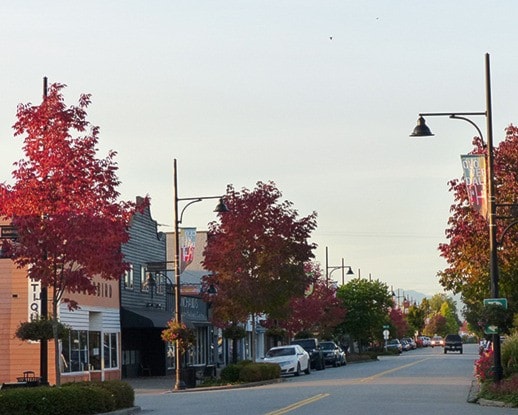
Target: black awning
140 318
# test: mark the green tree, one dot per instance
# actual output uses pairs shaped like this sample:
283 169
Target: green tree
416 319
452 321
367 304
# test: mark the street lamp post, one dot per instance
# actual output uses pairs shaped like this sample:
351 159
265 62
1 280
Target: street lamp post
422 130
220 208
334 268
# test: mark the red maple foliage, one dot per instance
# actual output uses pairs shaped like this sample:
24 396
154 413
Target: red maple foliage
318 311
257 253
399 322
467 249
63 202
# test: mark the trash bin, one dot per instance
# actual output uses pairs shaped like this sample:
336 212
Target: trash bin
189 376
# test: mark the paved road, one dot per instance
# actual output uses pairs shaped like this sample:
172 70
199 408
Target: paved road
423 381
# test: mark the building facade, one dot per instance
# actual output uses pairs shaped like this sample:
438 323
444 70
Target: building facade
90 352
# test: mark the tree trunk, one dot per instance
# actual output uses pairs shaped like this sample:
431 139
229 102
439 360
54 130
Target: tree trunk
234 351
253 345
57 352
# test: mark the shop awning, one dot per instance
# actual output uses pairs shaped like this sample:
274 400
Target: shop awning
140 318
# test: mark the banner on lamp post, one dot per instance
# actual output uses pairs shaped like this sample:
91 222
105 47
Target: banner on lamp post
475 177
187 246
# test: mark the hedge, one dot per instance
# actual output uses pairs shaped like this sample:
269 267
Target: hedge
82 398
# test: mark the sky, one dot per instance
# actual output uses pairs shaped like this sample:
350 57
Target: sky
317 96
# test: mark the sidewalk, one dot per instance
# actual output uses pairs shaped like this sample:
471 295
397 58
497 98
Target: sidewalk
151 384
165 384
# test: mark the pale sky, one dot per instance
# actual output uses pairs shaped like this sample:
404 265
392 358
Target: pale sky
318 96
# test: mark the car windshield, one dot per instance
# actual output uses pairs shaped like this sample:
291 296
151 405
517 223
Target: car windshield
285 351
327 346
307 344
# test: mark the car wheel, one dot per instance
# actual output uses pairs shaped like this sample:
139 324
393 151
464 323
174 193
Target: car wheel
308 369
297 372
444 351
461 352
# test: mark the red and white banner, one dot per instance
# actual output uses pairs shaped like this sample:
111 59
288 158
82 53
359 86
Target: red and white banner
475 177
187 246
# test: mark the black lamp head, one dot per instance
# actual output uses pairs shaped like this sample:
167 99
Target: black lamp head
421 129
221 207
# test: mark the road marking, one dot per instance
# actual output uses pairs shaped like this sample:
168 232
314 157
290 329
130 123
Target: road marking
386 372
298 404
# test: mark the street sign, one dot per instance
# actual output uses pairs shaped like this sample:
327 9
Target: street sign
386 334
491 329
497 301
502 302
8 232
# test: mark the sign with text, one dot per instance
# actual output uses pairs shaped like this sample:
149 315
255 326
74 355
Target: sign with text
475 177
34 299
8 232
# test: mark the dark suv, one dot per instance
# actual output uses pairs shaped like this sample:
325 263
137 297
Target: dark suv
331 353
312 346
452 343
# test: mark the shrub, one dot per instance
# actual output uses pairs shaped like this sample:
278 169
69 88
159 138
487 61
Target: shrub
230 373
510 355
505 391
75 400
484 366
247 371
122 392
256 372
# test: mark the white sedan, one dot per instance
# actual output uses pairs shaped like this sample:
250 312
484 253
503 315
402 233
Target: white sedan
292 359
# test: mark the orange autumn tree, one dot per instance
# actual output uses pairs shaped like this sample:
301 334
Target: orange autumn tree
63 203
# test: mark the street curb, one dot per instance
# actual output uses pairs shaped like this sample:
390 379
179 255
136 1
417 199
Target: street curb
125 411
473 391
230 386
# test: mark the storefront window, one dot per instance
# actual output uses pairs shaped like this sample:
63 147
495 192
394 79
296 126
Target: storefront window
82 351
110 350
94 350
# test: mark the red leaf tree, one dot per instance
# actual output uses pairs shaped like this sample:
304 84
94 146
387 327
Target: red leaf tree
257 254
398 322
467 249
318 311
63 202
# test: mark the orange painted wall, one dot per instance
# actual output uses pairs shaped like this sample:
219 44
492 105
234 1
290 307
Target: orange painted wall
16 356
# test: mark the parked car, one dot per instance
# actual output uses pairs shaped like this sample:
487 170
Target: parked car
312 346
437 341
343 356
405 345
411 342
394 344
425 341
331 353
452 343
292 359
